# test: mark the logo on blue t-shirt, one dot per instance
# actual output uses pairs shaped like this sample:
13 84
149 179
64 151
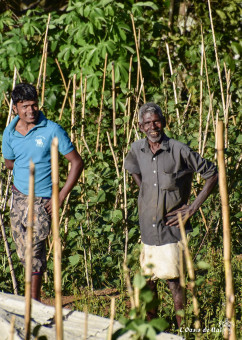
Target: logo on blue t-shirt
40 141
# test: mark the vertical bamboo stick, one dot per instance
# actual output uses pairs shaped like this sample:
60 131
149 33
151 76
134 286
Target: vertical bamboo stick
129 287
112 313
191 274
182 274
11 333
207 124
85 259
129 97
73 106
138 56
86 323
173 83
44 76
125 215
56 238
11 101
101 103
10 263
223 188
28 253
216 55
114 106
43 54
201 99
83 106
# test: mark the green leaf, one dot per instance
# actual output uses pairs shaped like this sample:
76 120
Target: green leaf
146 4
74 259
139 281
203 265
159 324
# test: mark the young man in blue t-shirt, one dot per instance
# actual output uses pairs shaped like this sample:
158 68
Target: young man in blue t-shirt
29 136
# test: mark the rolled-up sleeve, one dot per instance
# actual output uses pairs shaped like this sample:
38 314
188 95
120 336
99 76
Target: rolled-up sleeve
131 163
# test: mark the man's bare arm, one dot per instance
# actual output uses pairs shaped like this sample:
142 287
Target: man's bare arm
77 165
9 163
137 178
190 210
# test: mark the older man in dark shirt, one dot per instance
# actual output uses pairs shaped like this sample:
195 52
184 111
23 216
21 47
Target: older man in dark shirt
163 169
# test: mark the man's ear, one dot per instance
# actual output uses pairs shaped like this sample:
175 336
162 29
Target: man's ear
15 109
141 127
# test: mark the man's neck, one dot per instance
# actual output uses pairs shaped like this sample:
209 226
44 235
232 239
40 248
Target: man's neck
23 127
155 146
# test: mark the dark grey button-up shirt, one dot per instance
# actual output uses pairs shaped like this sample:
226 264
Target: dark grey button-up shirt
166 185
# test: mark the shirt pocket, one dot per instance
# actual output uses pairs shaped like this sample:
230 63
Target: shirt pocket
168 181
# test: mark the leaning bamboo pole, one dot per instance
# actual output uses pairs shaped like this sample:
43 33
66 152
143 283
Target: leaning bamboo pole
11 101
44 77
216 55
191 273
223 188
126 232
138 56
64 101
201 98
128 102
101 103
56 238
173 83
63 78
43 54
28 253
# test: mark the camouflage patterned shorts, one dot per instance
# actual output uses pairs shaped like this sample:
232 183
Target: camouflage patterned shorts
41 228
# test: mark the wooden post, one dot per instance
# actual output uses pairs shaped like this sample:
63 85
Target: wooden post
112 313
223 188
11 101
56 238
28 253
125 215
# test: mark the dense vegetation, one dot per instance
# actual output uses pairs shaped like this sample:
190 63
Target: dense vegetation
96 223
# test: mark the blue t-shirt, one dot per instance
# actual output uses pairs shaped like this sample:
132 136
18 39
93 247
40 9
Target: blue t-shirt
35 145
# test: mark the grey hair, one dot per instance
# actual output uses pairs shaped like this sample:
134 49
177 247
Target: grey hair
151 108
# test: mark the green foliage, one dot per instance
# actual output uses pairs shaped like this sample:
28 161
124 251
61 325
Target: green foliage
79 38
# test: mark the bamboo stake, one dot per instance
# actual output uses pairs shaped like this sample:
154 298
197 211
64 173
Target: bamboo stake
56 238
115 161
138 56
182 274
187 106
85 259
129 98
125 215
207 124
15 285
43 54
216 55
83 108
64 101
110 330
11 101
28 253
173 83
223 188
44 77
208 83
11 333
86 323
129 287
73 109
201 99
191 274
63 78
201 212
114 106
101 104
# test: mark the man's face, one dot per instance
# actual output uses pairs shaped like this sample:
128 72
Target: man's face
152 127
28 111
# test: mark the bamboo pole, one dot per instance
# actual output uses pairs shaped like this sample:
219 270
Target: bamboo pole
223 188
11 101
125 215
28 253
191 274
64 101
56 238
114 106
110 329
115 161
207 124
63 78
83 108
44 77
216 55
173 83
138 56
129 97
182 274
85 323
73 106
129 287
43 54
201 99
85 258
10 263
12 323
101 103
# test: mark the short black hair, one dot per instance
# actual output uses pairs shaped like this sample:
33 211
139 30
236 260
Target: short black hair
22 92
152 108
